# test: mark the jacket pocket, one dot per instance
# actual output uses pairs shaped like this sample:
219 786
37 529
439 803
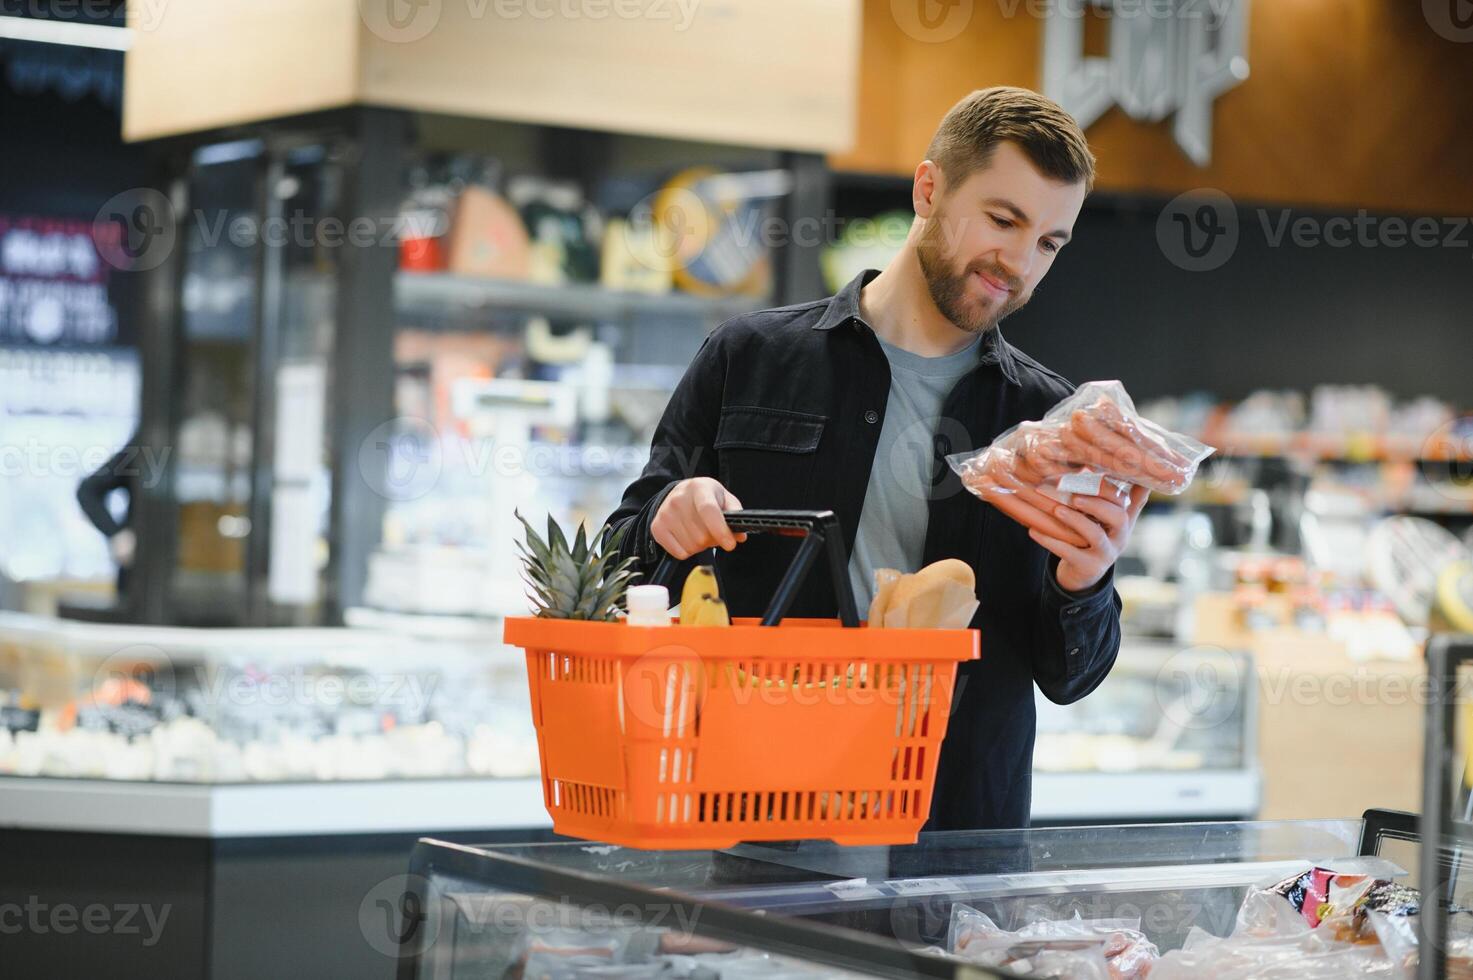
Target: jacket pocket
766 456
774 429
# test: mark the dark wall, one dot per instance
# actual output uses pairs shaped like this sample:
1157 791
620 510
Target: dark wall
1270 316
61 130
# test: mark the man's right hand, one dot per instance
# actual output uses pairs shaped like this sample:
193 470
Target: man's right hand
690 519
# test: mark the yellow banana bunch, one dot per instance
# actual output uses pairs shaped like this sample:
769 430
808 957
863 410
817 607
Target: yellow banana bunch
700 601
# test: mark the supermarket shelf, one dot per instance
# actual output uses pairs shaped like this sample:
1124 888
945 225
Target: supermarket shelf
1384 507
439 626
1146 795
270 809
439 294
855 893
1230 450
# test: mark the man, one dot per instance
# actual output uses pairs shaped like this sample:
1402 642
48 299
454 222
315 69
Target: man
118 473
822 406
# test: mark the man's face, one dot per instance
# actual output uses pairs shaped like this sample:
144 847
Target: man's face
987 242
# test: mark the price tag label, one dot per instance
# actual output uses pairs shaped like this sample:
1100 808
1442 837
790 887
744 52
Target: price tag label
129 718
925 886
853 889
19 719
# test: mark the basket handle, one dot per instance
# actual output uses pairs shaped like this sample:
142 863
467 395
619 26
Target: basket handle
819 529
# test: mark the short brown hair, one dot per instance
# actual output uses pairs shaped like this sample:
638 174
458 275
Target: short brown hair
1047 135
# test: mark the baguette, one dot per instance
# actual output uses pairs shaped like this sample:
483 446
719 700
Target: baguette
885 581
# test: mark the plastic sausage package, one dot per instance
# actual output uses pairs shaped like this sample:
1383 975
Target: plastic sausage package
1074 949
1094 443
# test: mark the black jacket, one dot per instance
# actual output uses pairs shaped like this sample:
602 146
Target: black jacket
784 407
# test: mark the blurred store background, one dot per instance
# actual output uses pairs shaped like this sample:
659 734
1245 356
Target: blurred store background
347 286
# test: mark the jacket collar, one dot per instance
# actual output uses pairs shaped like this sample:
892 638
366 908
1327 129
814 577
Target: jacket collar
843 309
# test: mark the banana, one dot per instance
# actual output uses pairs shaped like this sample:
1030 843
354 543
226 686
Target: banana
701 582
709 612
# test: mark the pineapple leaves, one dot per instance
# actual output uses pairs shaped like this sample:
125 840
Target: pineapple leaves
586 581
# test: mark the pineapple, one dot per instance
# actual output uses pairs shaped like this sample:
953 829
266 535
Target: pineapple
586 582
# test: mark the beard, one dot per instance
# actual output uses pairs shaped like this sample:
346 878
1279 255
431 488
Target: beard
951 290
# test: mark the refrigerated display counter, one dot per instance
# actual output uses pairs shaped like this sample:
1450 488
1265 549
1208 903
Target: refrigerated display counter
937 908
1170 734
254 782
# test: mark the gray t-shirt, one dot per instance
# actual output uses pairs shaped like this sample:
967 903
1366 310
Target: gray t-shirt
892 526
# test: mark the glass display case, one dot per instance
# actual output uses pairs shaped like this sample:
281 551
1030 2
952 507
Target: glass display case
1448 810
1038 902
135 703
387 331
1170 733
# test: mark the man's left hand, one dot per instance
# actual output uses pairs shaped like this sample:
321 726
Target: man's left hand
1105 525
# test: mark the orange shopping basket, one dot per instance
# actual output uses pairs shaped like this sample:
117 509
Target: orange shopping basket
702 737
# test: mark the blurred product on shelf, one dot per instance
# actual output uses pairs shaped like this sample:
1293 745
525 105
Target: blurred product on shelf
565 229
700 231
1352 423
221 706
424 222
487 237
1454 610
709 224
864 243
630 260
1405 556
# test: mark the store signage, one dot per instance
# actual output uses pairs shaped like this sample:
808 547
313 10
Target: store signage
72 73
53 284
1165 57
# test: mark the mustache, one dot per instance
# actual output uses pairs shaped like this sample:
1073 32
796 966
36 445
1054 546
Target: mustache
1014 284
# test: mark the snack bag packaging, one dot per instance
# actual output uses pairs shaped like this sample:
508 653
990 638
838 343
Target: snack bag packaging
1300 902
